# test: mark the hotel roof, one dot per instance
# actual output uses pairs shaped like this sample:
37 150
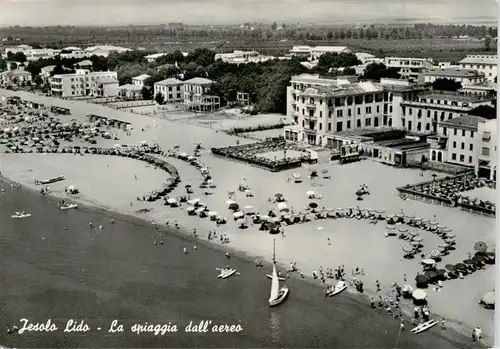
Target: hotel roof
480 59
199 81
453 72
169 82
130 87
464 121
453 97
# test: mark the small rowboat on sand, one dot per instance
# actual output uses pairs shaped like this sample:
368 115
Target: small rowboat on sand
424 326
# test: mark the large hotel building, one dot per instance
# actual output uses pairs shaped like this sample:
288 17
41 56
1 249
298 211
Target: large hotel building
323 106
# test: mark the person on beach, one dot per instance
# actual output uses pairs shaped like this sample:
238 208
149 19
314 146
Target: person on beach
154 241
329 242
195 247
161 242
443 326
227 255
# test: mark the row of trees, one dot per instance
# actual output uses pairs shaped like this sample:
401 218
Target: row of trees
417 31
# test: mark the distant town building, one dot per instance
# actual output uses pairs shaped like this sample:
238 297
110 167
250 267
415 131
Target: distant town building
487 153
85 64
486 88
76 54
463 76
410 68
176 25
16 49
139 80
242 57
84 83
486 64
105 50
460 135
314 52
171 89
153 57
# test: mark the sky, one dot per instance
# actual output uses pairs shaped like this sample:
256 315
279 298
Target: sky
124 12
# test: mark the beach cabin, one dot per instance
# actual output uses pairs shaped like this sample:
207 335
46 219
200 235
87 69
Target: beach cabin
101 120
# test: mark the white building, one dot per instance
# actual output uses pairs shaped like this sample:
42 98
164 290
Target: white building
153 57
322 106
84 83
33 54
16 49
105 50
486 88
242 57
314 52
197 95
412 68
487 154
46 72
171 89
486 64
139 80
76 54
463 76
423 113
366 57
461 138
15 77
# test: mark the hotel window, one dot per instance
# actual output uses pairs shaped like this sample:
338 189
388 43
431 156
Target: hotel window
462 145
329 126
410 111
486 136
330 114
485 151
444 131
368 122
442 116
463 133
320 126
471 134
348 124
427 126
454 144
462 158
320 114
453 156
471 147
348 112
368 110
435 115
339 126
358 123
470 159
339 113
390 109
359 111
378 109
454 131
450 116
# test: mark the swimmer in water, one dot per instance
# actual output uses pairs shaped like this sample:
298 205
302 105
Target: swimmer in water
227 255
195 248
100 227
90 224
112 221
161 242
65 228
185 250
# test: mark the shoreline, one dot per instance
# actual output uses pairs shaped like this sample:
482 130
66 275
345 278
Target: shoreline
182 233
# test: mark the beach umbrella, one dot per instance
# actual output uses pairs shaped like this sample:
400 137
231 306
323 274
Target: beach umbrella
310 194
320 228
441 272
477 259
212 214
359 192
313 205
407 248
417 238
403 229
249 209
414 243
229 202
248 191
238 214
442 246
480 246
435 253
190 209
188 186
419 294
428 261
450 267
282 207
279 195
193 201
296 175
413 233
489 298
460 266
431 274
234 206
468 261
449 236
324 171
407 288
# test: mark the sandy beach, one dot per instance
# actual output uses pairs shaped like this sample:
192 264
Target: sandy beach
110 182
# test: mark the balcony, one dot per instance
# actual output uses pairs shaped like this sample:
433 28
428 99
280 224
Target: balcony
310 106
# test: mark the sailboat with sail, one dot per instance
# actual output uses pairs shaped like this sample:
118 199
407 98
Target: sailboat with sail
278 295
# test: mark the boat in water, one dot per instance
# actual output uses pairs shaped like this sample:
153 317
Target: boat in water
68 207
278 295
51 180
334 290
20 215
225 273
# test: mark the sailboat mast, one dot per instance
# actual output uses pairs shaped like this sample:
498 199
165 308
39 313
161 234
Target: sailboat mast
274 250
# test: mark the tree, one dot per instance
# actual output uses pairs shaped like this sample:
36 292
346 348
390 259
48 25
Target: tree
19 57
3 64
349 71
485 111
376 71
329 35
446 85
13 66
274 26
146 93
159 98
